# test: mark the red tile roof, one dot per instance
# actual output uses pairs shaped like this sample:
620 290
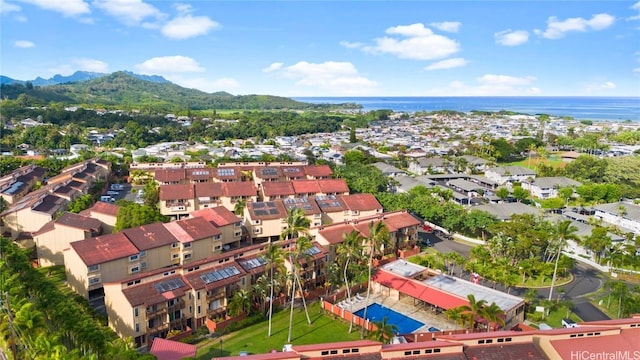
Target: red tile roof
318 171
148 294
219 216
333 234
306 186
164 349
361 202
330 186
239 188
169 175
200 174
330 204
192 229
102 249
420 345
627 342
105 208
278 188
177 192
267 356
209 189
79 222
400 220
267 172
150 236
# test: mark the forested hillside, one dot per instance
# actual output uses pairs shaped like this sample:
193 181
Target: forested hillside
123 90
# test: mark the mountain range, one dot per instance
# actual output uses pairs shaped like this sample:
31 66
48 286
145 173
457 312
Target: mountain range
77 76
124 89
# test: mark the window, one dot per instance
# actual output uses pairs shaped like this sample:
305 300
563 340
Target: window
198 296
93 268
325 352
190 309
346 351
436 350
134 269
217 237
428 351
416 352
175 245
134 257
143 253
187 256
137 327
489 341
198 309
94 280
217 248
175 256
143 265
186 245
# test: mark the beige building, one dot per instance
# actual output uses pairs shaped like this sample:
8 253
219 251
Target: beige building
55 236
179 200
31 212
229 224
19 182
105 212
265 220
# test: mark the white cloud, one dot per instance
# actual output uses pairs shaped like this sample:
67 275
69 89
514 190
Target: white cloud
414 42
169 65
448 26
511 38
636 70
557 29
339 78
599 86
187 26
129 12
65 7
351 45
273 67
448 64
24 44
490 85
91 65
6 7
636 6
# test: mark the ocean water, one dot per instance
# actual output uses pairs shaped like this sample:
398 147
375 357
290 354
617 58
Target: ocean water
580 108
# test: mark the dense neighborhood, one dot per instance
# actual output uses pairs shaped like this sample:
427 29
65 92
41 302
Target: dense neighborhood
178 240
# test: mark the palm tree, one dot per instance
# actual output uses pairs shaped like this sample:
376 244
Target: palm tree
384 331
563 231
351 247
493 314
302 250
378 238
474 309
275 260
456 314
238 208
240 303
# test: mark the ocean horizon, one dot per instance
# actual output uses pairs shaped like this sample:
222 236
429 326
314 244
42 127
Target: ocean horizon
577 107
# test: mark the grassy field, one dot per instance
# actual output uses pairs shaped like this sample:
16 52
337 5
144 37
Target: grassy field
554 161
254 340
555 317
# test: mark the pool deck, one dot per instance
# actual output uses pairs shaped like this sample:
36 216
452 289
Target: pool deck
406 306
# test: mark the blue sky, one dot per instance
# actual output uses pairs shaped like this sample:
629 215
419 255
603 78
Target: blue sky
335 48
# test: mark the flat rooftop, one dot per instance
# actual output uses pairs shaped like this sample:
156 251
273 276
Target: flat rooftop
463 288
404 268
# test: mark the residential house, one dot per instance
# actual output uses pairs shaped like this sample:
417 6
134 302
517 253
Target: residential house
428 165
105 212
265 220
622 214
229 224
389 170
510 174
547 187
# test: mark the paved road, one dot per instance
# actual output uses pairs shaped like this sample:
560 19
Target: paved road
586 280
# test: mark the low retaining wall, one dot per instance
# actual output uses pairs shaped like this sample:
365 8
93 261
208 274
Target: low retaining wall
347 315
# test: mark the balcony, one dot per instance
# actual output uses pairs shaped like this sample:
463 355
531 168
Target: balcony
215 296
156 311
158 328
175 307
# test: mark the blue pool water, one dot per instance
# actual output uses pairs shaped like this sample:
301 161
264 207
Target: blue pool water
377 312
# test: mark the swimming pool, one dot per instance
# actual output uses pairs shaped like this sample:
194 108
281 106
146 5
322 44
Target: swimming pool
377 312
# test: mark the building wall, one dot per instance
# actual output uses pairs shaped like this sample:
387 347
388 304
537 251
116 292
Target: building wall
121 314
78 274
50 245
620 221
108 221
25 220
177 208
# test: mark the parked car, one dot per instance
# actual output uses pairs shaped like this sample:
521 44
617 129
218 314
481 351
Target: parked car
107 198
111 192
568 323
117 187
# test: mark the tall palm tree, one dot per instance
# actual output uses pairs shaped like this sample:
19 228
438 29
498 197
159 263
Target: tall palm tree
563 231
493 314
297 225
240 303
275 260
474 309
384 331
377 239
350 248
301 254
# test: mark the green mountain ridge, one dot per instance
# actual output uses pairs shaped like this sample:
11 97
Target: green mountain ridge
122 89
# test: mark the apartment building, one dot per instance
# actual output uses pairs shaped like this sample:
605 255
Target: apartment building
56 235
19 182
179 200
229 224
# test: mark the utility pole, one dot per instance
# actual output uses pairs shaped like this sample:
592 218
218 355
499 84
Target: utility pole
14 350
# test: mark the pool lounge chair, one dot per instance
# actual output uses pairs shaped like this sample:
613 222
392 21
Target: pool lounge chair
360 297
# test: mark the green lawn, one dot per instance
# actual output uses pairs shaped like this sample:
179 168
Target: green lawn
323 329
554 161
